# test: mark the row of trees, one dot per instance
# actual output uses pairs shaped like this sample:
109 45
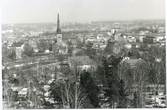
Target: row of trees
117 76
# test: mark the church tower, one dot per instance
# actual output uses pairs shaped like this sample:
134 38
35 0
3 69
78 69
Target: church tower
58 32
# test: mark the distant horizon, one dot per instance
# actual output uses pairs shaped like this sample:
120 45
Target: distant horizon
89 21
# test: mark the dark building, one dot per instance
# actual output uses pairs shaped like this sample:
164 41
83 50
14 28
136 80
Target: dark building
149 40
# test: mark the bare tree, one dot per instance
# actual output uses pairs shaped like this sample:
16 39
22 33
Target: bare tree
158 65
142 69
135 78
73 96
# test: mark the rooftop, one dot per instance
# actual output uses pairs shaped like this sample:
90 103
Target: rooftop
133 61
17 44
80 60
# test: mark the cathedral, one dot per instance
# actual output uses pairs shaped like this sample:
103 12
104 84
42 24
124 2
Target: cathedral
59 47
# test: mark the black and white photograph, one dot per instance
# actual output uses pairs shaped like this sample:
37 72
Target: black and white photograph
83 54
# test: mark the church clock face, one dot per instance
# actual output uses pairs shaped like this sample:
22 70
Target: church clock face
59 37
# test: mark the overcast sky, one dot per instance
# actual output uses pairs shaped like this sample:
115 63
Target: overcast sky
34 11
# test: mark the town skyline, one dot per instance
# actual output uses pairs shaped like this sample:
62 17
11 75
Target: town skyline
80 11
98 54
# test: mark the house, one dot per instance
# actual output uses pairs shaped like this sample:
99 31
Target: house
82 62
19 51
47 51
161 29
103 46
96 45
135 45
162 42
18 47
110 44
141 38
34 45
23 92
149 39
131 39
128 46
60 48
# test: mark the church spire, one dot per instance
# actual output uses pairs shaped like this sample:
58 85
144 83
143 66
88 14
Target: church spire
58 25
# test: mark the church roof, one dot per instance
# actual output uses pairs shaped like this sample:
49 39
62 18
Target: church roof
60 44
58 25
